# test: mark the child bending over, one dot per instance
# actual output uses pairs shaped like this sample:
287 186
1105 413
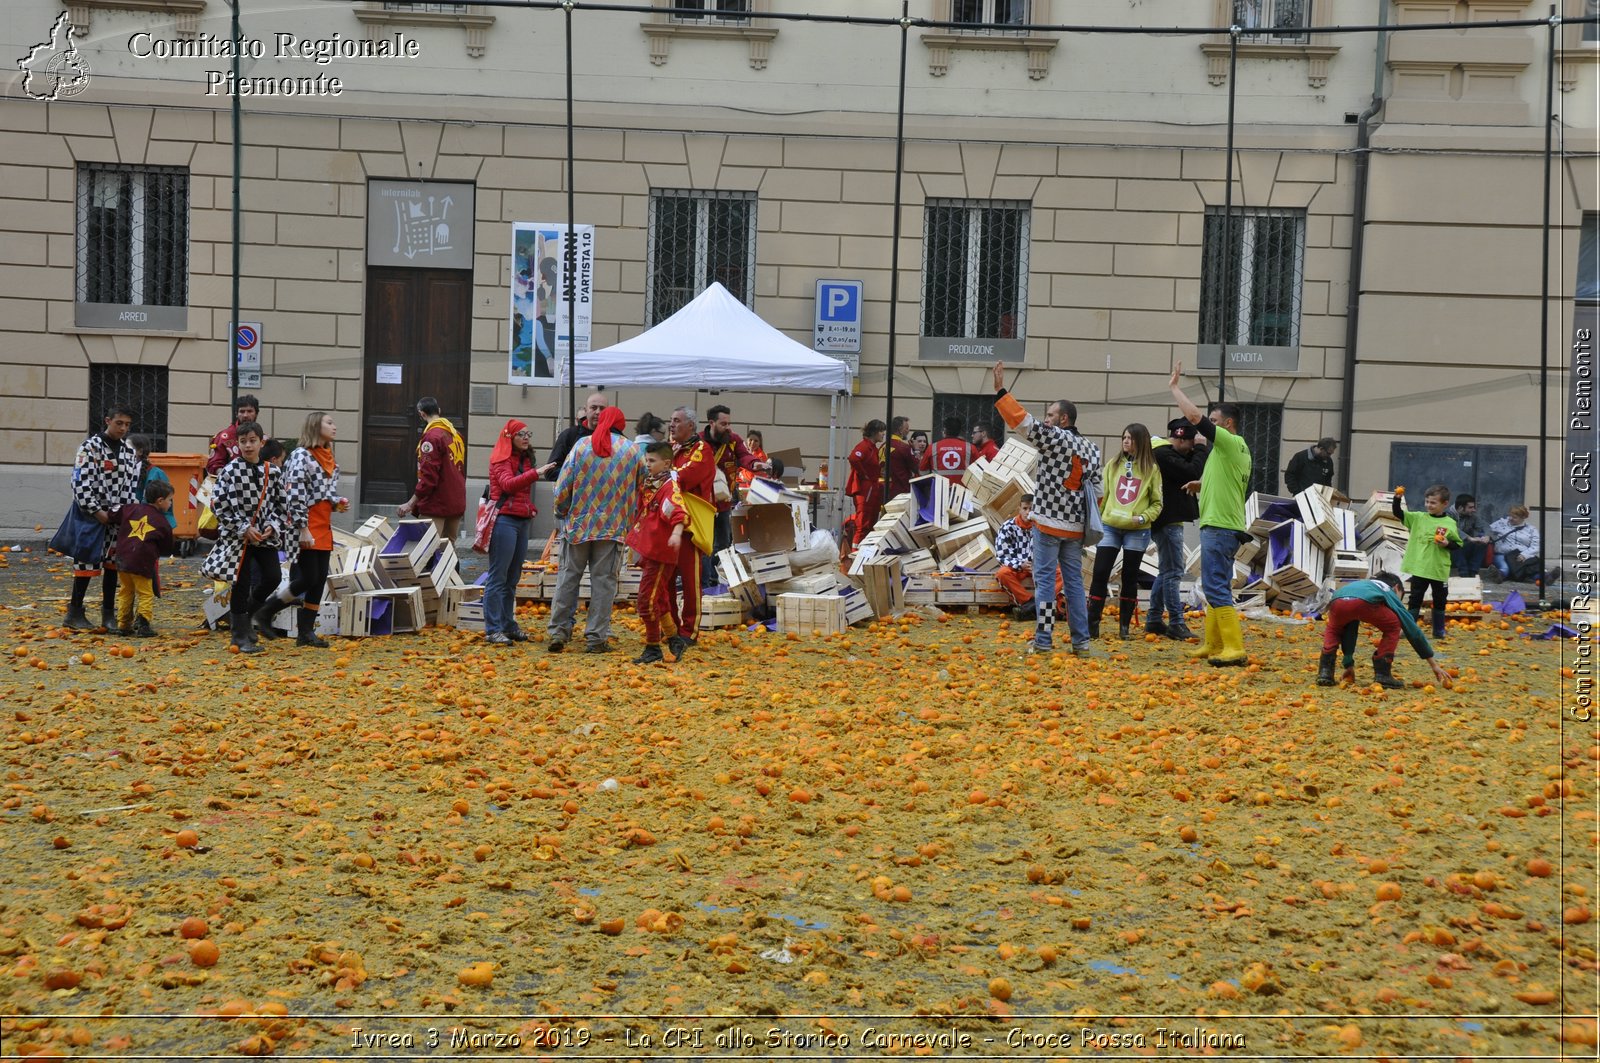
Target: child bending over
1375 601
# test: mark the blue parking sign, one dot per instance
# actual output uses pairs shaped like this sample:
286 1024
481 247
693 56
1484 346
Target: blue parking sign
838 326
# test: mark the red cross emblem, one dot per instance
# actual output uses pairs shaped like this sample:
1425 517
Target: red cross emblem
1128 489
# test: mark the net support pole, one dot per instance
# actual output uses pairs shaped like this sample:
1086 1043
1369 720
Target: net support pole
894 250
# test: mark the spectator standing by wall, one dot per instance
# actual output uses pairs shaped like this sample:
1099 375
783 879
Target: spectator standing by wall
1313 465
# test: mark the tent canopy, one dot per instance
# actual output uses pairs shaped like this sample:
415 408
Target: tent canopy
715 343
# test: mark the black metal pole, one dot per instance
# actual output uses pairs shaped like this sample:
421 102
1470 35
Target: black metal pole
1230 311
238 155
894 247
569 268
1544 289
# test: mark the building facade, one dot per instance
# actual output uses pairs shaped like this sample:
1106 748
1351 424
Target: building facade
1063 210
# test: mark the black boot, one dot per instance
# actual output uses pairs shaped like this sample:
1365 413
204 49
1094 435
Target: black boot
108 617
263 618
142 628
307 636
241 636
652 653
679 646
1325 665
76 619
1438 623
1096 607
1382 673
1126 607
1026 611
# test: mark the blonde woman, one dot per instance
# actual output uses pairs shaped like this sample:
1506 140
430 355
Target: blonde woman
1130 507
311 485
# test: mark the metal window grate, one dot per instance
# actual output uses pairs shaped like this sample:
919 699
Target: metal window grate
1591 30
1260 302
1588 284
438 9
1261 424
734 11
984 13
133 235
972 409
141 388
1283 21
696 238
975 269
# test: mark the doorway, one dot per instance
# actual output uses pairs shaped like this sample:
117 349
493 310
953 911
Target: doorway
1494 475
418 329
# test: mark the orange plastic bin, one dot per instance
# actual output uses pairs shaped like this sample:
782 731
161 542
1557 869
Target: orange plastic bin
186 471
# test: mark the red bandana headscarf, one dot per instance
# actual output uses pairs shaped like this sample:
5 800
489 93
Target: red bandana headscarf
503 447
610 420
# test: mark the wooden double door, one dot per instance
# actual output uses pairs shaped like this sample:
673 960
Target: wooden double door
418 342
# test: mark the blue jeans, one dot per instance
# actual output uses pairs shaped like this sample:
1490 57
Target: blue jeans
508 548
1137 540
1164 595
1217 547
1469 558
1053 553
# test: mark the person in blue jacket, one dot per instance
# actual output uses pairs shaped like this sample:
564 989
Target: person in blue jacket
1375 601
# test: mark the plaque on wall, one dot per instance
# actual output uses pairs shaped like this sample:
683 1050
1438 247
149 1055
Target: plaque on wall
1249 359
420 224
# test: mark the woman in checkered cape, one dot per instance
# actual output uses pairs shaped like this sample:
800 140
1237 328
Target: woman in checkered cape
311 495
248 501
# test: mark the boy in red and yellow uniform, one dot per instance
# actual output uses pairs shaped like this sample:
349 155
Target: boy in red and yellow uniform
695 470
659 538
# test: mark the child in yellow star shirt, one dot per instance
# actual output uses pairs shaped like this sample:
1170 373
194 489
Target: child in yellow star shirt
143 539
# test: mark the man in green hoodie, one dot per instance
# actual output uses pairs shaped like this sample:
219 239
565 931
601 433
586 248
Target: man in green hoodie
1375 601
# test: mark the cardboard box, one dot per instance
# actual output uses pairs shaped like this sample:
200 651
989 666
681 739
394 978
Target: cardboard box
394 611
410 550
811 613
375 531
774 527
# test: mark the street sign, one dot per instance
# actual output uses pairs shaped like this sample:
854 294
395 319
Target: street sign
247 353
838 326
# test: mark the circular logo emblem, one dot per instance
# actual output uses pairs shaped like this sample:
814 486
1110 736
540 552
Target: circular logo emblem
949 460
68 74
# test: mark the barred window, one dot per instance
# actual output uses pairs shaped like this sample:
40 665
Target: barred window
1276 21
1591 30
710 10
1258 303
697 238
1261 425
975 269
990 12
1588 290
141 388
133 246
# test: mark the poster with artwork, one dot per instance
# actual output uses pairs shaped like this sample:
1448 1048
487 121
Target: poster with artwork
539 299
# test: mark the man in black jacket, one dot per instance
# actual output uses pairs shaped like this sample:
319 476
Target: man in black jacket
1180 463
1313 465
571 434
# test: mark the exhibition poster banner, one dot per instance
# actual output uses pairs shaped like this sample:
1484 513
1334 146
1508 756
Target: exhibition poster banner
539 324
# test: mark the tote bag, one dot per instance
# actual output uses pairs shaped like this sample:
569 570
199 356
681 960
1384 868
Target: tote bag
80 537
1094 528
488 511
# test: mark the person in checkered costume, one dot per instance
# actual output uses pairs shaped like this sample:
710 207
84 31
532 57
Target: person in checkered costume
1068 476
311 497
105 476
252 519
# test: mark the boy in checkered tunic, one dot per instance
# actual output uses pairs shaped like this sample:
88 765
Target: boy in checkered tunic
1068 476
104 478
251 516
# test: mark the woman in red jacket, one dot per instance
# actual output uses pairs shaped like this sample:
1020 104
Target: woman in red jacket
511 475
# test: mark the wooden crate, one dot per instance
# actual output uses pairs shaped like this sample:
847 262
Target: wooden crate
920 589
768 568
1465 589
375 531
807 613
357 572
977 555
954 588
1264 512
394 611
1349 564
1317 511
453 599
410 550
720 610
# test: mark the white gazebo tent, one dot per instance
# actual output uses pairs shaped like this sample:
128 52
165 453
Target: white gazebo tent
716 343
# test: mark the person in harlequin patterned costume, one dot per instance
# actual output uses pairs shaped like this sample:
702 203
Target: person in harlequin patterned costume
696 470
104 477
311 497
658 536
251 521
1013 548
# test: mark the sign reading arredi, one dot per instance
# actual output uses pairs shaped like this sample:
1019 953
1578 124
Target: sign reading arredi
838 327
247 353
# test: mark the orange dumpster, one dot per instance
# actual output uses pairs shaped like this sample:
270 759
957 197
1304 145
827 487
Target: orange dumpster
186 471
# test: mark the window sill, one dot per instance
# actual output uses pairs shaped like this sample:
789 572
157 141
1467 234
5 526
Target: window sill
759 38
940 45
1317 57
186 12
176 334
476 23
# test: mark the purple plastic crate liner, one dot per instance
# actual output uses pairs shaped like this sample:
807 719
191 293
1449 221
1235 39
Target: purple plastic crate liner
403 540
382 617
1280 545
